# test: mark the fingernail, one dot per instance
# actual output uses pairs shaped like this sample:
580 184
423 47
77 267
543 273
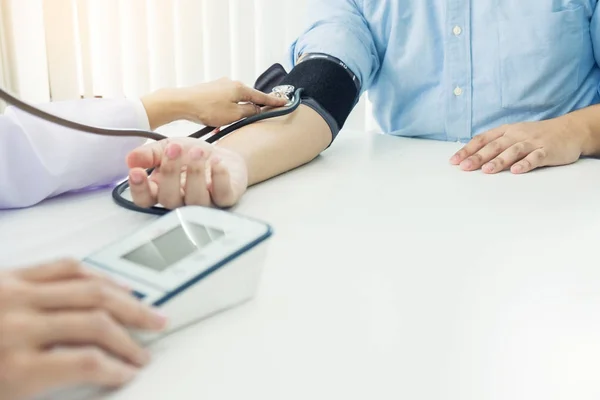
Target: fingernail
136 178
467 164
196 153
488 168
173 152
518 169
161 318
454 159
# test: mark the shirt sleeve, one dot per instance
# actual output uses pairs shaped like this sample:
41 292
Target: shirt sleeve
595 33
338 28
39 160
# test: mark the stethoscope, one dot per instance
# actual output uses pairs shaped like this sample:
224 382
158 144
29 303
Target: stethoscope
203 134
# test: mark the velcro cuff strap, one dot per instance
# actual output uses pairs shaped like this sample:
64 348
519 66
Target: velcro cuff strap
270 78
328 84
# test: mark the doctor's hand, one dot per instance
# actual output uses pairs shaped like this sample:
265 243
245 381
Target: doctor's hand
216 103
522 147
62 325
187 172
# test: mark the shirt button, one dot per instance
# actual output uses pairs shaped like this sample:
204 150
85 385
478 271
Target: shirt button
457 30
458 91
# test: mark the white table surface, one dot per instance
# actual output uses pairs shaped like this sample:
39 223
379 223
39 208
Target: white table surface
391 275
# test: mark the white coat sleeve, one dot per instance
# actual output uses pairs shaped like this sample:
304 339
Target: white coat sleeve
39 160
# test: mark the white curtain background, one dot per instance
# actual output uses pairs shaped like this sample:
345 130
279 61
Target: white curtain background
67 49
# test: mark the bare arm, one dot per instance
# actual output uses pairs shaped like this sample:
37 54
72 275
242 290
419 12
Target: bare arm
251 155
275 146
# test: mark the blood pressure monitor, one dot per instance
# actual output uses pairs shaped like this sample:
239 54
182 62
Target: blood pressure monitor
190 263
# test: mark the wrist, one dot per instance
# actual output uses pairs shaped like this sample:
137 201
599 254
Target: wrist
163 107
577 127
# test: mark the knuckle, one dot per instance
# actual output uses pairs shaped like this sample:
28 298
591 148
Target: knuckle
90 361
135 314
519 148
479 140
71 266
238 85
195 168
476 158
101 322
495 146
238 88
527 164
541 154
98 293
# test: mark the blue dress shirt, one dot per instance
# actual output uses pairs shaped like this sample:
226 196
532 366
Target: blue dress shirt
451 69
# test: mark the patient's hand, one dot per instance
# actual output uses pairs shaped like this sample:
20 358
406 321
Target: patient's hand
522 147
188 172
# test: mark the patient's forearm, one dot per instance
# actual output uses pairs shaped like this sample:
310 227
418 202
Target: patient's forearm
278 145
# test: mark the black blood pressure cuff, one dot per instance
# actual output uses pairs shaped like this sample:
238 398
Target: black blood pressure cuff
329 87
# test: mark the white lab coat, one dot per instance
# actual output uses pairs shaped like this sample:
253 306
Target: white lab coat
39 160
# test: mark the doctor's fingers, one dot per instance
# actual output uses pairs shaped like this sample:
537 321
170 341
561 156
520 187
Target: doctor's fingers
196 187
248 94
60 270
86 328
36 373
122 306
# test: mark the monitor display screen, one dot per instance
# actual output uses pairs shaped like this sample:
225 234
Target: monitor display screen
173 246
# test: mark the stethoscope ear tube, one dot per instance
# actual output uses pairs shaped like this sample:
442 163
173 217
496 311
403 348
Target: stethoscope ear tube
118 191
36 112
